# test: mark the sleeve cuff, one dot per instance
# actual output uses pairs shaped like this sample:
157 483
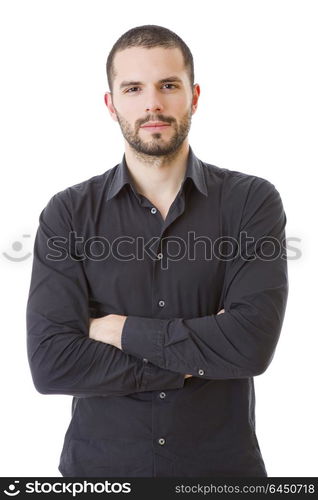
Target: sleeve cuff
144 338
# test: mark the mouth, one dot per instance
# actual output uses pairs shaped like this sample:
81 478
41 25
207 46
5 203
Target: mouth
155 127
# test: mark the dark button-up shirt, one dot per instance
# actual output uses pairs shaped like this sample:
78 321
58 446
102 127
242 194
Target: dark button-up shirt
103 248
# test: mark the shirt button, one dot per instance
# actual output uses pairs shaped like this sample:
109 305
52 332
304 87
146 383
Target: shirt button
162 395
153 210
161 441
201 372
161 303
145 360
160 255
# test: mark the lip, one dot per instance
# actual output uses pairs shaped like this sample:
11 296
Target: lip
153 126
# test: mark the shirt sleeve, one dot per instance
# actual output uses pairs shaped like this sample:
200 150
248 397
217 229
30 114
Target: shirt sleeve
241 341
62 357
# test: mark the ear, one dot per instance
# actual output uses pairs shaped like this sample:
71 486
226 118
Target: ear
109 103
195 98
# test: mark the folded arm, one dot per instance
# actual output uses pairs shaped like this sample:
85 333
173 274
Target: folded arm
241 342
62 357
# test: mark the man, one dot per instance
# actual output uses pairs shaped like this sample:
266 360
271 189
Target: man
158 288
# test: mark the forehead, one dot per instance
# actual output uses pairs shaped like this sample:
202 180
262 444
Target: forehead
140 63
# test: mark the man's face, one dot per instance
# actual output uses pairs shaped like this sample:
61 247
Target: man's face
152 85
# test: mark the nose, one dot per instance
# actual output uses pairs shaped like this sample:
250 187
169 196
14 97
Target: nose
153 101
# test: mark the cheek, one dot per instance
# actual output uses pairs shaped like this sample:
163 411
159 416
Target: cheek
178 105
127 107
132 113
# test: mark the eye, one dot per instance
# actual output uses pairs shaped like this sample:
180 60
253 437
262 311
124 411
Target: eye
131 88
170 85
166 86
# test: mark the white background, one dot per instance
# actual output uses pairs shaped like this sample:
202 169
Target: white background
256 62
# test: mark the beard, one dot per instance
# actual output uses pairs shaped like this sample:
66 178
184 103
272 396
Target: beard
156 146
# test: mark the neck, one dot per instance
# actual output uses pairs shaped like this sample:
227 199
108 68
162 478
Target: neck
157 176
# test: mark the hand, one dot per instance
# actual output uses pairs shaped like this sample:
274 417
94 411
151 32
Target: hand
107 329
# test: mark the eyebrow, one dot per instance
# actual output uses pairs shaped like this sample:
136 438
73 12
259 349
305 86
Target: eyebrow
163 80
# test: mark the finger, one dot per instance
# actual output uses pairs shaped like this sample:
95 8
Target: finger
221 312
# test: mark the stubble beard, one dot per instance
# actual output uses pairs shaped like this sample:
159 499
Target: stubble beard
156 146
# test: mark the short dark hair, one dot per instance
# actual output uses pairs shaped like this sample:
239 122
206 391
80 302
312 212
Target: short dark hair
149 36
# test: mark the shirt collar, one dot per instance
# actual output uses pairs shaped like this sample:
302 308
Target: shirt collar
194 170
